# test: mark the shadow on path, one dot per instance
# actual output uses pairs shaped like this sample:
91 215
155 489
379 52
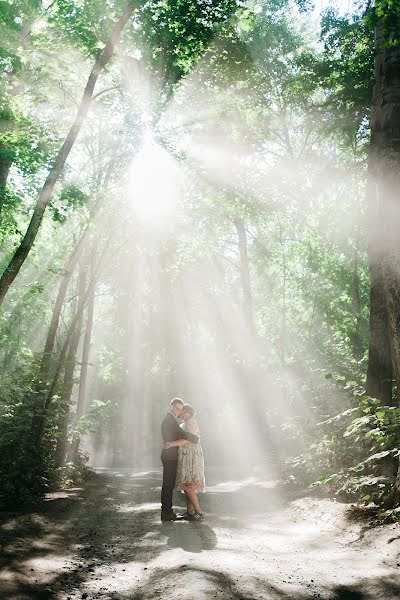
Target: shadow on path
191 537
92 539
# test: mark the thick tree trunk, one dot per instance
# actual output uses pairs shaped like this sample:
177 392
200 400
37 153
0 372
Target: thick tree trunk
384 189
245 274
82 396
26 244
380 371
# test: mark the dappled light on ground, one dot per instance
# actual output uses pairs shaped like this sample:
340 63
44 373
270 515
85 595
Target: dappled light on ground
106 540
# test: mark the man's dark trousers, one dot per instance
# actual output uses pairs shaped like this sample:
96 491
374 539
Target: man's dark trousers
171 432
169 477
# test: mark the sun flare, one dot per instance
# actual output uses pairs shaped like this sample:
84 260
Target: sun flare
154 183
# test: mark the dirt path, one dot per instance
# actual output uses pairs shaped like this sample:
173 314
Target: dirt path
106 541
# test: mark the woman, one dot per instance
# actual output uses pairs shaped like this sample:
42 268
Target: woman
190 470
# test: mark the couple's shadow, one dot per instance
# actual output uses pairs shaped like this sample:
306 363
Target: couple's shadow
190 536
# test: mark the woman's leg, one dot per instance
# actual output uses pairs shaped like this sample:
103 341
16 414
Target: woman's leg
192 496
189 505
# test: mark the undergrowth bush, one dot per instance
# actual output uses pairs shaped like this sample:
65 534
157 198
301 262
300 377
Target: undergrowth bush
353 453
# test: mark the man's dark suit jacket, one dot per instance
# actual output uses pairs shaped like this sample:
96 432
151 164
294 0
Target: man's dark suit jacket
171 431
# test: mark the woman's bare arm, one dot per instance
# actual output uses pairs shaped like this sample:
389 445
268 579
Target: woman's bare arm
193 427
178 443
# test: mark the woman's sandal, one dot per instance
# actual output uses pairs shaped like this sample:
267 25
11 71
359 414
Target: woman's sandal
187 516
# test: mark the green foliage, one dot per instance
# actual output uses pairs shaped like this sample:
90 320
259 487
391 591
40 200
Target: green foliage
23 473
346 71
174 35
85 24
358 449
29 145
14 18
73 473
98 414
70 199
385 13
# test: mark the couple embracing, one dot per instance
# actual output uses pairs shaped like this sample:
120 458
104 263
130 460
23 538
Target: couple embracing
182 459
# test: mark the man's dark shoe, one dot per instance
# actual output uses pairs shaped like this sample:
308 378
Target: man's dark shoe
168 516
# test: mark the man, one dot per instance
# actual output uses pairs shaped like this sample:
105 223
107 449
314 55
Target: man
171 432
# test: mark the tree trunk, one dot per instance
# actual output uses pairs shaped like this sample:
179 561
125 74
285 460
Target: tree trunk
26 244
67 387
42 381
245 274
82 396
379 372
384 197
39 419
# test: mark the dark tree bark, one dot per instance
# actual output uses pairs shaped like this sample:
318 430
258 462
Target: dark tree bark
26 244
380 371
384 204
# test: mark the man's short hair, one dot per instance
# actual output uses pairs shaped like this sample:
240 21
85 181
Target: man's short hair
176 401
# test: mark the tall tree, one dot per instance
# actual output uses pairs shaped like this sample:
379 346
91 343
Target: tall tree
83 377
28 240
43 405
245 273
380 371
384 199
65 398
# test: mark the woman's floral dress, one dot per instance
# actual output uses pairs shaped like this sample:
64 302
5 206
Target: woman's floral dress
190 469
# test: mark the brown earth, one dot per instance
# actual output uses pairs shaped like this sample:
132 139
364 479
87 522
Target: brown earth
105 540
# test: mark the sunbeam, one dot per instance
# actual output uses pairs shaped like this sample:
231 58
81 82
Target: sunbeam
154 186
199 332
